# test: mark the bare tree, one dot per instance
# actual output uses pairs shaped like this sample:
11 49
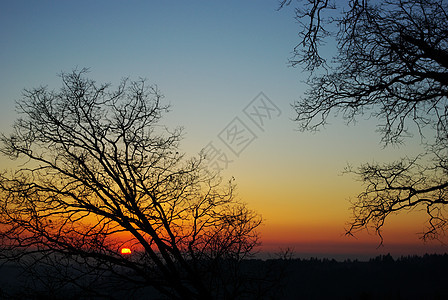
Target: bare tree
100 173
392 64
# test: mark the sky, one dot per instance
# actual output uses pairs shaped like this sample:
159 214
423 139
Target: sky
215 61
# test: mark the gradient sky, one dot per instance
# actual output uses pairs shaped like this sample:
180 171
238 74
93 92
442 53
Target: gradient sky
211 59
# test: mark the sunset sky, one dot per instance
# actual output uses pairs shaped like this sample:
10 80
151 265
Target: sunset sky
211 60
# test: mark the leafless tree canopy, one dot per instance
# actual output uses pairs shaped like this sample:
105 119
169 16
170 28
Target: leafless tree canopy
392 64
101 173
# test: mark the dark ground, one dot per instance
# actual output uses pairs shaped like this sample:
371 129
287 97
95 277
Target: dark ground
380 278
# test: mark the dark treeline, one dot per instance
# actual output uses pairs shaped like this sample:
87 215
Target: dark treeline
382 277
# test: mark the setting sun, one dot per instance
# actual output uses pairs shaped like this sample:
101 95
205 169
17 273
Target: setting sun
125 251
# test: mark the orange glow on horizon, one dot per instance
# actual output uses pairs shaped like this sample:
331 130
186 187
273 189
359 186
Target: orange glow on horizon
125 251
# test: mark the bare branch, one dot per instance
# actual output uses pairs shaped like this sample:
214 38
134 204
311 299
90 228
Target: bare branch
391 64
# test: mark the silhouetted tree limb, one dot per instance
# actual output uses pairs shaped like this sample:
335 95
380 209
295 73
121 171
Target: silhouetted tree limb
391 64
311 16
402 185
100 174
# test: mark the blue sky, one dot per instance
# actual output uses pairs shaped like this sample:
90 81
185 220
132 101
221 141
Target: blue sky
203 55
210 59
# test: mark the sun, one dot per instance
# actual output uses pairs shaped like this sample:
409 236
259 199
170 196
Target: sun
125 251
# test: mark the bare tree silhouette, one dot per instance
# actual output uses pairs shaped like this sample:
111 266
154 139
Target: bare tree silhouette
392 64
101 173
